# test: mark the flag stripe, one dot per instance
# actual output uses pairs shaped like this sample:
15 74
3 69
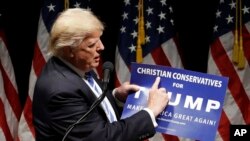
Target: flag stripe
9 78
170 137
160 57
236 107
227 69
246 43
10 104
3 123
26 129
122 72
38 61
9 107
11 93
173 52
223 128
29 117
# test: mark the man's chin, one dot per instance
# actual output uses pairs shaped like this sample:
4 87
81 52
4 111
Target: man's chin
96 64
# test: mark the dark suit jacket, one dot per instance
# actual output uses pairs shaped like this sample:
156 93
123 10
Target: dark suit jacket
61 97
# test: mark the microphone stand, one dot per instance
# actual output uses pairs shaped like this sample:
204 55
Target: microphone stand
92 107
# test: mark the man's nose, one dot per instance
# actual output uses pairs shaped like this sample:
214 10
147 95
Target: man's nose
101 46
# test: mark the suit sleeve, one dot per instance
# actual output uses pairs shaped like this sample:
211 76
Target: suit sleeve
66 108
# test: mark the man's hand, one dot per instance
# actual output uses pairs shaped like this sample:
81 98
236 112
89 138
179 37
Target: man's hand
121 92
158 98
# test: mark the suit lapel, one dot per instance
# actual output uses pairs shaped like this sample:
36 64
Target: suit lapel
72 76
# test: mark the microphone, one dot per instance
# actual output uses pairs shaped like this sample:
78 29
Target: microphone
107 69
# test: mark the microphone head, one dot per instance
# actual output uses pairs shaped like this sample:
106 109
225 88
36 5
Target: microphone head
108 65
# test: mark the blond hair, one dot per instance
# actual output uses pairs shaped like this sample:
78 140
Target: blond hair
71 27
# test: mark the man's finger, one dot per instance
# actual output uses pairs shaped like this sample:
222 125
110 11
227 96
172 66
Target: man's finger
156 83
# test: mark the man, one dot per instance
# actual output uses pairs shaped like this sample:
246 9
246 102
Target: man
63 93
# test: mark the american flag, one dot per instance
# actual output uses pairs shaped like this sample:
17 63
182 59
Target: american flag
161 45
10 107
236 108
49 12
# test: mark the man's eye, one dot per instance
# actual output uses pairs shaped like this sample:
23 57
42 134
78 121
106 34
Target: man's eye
92 45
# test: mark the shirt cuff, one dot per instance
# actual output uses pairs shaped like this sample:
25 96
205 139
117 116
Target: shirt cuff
118 102
151 116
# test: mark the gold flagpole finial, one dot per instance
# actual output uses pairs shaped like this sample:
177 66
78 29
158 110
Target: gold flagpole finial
141 33
66 4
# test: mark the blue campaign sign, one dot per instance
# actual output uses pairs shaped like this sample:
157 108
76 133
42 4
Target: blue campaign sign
196 100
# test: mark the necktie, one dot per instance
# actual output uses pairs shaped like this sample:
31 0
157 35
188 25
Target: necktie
105 103
90 79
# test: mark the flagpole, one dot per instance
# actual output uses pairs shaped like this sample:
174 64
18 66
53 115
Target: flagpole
141 33
236 38
238 52
241 63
